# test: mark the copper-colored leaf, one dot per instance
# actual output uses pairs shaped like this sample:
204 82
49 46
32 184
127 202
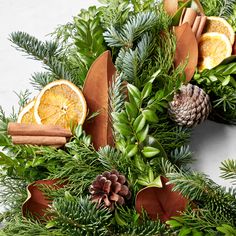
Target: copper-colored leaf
170 6
96 94
234 46
186 49
36 203
160 203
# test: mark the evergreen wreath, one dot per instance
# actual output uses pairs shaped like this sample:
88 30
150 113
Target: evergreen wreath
142 185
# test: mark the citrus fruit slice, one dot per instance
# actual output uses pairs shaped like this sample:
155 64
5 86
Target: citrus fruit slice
26 115
60 103
213 49
219 25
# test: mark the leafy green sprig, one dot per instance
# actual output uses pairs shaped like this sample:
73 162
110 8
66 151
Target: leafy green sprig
220 84
228 170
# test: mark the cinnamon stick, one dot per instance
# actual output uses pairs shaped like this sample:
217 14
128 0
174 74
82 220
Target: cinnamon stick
196 24
18 129
201 27
39 140
188 16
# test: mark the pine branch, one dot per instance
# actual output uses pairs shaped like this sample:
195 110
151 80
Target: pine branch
228 169
79 216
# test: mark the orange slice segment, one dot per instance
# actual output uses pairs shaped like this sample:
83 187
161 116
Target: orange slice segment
26 115
60 103
213 49
219 25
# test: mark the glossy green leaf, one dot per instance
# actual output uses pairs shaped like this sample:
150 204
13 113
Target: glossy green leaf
132 150
123 129
173 223
226 80
131 110
139 163
150 151
146 90
184 231
139 123
134 91
142 135
150 115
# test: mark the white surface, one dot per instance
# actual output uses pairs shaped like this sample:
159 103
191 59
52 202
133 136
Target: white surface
211 142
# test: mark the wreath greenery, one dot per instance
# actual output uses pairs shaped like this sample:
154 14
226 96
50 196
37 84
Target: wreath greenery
148 143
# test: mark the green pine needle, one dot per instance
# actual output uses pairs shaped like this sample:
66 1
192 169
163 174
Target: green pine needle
228 169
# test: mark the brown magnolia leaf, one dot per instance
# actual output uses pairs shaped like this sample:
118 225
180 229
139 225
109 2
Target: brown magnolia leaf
160 203
36 203
95 91
170 6
234 46
186 49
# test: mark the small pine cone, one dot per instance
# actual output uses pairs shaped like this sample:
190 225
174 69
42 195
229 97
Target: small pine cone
110 188
190 106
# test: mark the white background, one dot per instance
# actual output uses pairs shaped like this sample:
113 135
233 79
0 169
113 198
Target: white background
211 142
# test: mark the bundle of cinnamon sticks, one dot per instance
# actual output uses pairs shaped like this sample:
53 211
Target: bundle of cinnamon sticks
196 21
34 134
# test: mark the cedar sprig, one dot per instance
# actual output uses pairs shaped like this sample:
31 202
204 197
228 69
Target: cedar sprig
228 170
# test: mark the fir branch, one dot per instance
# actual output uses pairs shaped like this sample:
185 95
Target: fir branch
222 8
79 216
34 47
24 227
117 94
228 169
181 157
131 31
198 221
41 79
199 187
23 97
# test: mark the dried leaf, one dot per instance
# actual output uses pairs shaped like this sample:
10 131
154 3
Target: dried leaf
36 203
186 49
160 203
170 6
95 91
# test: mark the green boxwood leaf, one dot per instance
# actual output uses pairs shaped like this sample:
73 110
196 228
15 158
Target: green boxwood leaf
131 110
123 129
142 135
173 223
120 117
184 231
134 91
132 150
150 115
146 90
139 123
150 151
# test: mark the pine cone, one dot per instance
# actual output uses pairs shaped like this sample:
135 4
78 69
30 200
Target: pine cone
190 106
110 188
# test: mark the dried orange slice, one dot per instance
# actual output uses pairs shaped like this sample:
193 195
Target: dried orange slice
213 49
60 103
219 25
26 115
